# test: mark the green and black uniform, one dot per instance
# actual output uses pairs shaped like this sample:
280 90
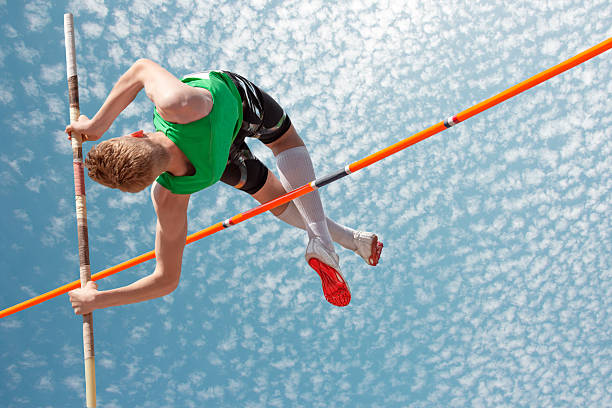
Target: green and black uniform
215 144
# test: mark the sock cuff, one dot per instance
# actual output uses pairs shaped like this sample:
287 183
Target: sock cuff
293 150
290 155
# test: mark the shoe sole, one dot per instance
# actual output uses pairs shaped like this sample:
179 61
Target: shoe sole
336 291
376 250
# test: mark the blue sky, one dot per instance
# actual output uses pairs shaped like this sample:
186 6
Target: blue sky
494 285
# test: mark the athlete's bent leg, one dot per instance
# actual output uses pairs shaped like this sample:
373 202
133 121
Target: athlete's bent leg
363 243
296 169
269 191
264 119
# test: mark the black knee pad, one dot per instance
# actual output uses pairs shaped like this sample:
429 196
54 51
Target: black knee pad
244 171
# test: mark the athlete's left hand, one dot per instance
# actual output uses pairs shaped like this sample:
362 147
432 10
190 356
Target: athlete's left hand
83 300
89 130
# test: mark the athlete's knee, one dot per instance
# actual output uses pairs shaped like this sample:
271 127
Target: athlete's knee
288 140
246 175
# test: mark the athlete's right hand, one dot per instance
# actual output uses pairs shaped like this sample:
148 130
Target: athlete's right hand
86 128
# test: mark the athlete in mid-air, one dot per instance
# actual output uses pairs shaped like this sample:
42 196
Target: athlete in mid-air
201 123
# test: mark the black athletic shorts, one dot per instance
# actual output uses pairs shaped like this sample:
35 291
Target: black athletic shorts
263 119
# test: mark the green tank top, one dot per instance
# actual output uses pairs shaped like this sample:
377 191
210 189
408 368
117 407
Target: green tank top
205 142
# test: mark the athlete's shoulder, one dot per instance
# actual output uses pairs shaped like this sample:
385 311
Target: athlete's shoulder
189 104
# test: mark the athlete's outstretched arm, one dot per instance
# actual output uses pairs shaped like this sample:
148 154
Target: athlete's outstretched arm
175 101
171 234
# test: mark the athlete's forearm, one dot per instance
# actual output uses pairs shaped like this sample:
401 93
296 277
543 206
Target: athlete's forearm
149 287
122 94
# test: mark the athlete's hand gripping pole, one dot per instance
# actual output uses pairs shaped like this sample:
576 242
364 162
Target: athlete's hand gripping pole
81 209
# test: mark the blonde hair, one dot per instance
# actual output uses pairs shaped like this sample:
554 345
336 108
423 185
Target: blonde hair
127 163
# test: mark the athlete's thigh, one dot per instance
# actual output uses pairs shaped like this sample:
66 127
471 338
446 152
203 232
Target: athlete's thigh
269 191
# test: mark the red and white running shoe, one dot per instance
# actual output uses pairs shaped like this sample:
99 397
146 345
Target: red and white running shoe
368 246
325 263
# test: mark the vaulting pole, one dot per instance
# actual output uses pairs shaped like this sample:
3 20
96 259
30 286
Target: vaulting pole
351 168
81 209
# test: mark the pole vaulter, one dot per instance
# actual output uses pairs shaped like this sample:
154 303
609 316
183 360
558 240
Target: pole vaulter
81 208
351 168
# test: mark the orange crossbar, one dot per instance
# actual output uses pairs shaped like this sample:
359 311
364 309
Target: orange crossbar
358 165
484 105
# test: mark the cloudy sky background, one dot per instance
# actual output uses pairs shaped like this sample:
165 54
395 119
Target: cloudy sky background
495 283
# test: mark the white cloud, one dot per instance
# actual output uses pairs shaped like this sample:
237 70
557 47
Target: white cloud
31 87
138 109
551 46
6 93
125 200
121 28
25 53
214 392
106 363
96 7
62 144
230 342
9 31
145 8
138 333
21 215
30 122
92 30
214 359
34 183
27 157
45 383
37 14
53 74
75 384
32 360
55 232
114 389
12 323
14 377
98 90
116 52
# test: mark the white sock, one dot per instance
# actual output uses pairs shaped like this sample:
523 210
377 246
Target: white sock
295 168
339 233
